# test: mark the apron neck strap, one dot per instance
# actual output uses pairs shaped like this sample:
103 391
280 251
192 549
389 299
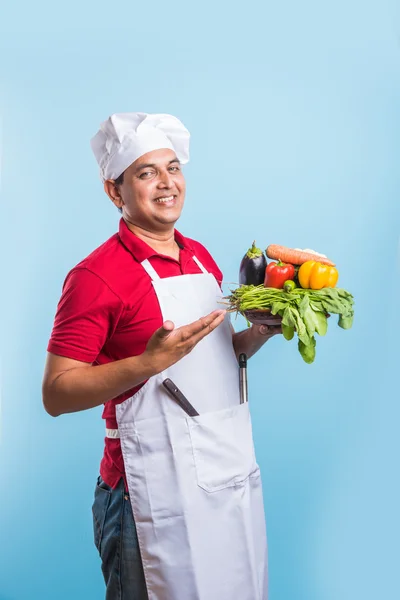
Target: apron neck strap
150 270
198 263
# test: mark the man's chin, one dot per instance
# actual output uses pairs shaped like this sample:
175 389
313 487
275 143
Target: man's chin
168 219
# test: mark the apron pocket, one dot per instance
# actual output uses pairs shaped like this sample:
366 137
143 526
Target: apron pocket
223 449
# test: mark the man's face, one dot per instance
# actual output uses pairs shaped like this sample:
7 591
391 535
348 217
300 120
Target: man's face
153 191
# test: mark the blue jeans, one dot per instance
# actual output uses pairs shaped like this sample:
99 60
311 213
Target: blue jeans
116 540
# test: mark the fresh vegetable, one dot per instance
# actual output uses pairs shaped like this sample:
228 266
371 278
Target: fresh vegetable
303 311
277 273
295 256
289 285
252 267
315 275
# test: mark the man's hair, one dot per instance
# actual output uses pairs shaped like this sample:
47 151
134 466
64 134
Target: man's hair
119 181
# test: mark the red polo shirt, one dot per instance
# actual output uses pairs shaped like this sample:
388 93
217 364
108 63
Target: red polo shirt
108 311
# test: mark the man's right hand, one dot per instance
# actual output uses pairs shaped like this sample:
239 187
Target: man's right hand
168 345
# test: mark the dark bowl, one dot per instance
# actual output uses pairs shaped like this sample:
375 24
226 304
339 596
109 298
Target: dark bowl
261 316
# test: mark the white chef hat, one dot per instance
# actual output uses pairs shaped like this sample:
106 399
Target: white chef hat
124 137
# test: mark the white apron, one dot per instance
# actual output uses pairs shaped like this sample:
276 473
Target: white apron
194 484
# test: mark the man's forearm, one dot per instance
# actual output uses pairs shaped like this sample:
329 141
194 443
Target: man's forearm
250 340
82 388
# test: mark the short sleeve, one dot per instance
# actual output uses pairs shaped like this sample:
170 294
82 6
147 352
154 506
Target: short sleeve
87 314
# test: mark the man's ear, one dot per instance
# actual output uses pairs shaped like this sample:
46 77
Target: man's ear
112 191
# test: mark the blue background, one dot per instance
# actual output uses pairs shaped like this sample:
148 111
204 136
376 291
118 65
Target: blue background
294 113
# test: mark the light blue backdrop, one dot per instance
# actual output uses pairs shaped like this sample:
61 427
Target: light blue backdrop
294 113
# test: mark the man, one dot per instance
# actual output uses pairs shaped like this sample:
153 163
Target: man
178 511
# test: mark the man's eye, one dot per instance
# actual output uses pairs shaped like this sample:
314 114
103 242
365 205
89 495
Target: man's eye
174 169
145 175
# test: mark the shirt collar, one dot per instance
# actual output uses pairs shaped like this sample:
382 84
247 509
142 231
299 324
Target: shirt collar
142 251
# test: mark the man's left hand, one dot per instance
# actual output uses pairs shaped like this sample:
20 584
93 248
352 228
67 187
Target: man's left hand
251 340
269 330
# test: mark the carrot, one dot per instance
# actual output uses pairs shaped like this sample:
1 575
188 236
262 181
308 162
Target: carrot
295 257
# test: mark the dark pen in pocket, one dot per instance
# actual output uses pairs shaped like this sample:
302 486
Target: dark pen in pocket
180 398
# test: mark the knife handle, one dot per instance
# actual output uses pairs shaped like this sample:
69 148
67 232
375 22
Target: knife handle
180 398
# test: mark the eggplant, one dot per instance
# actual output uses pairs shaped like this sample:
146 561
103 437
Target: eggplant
252 267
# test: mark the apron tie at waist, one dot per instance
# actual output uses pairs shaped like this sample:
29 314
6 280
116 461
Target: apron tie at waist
112 433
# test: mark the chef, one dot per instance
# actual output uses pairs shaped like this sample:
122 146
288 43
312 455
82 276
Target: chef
178 509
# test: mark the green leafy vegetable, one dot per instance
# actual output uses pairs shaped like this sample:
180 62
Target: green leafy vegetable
321 323
345 322
308 352
277 306
288 317
303 311
288 332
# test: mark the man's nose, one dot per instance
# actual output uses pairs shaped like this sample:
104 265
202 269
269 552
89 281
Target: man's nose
166 179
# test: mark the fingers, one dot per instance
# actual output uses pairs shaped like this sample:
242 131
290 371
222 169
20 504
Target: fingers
165 330
208 325
204 324
270 330
168 326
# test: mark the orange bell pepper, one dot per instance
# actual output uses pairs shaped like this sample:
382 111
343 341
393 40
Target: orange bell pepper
315 276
